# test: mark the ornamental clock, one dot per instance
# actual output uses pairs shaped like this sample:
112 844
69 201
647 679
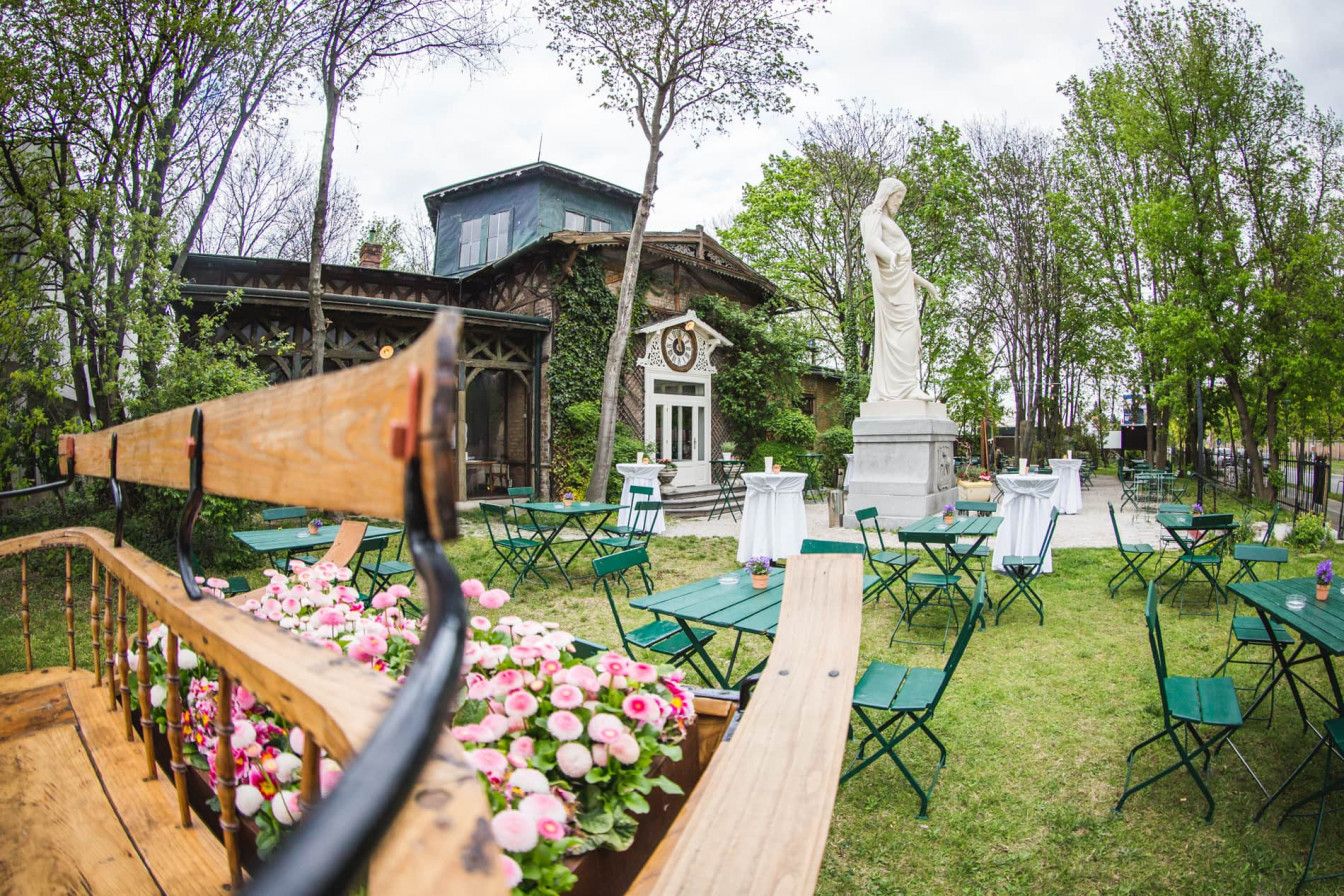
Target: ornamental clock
679 349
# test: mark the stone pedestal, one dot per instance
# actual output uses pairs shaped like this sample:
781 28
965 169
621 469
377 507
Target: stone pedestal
902 461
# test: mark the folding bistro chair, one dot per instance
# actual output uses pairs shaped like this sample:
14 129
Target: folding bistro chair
1128 488
664 637
1249 554
283 514
637 493
897 563
381 572
1249 631
1334 735
730 471
516 551
642 517
1023 570
1186 704
1135 555
981 551
1209 562
526 522
911 696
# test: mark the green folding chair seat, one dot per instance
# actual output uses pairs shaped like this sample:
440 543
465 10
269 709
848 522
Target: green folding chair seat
1332 783
637 493
1134 555
1248 556
1247 633
1023 570
637 534
664 637
910 696
1187 703
896 563
1208 564
923 590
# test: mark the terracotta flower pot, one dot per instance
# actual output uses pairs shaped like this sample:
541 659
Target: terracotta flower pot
567 501
1322 591
948 518
313 528
777 468
760 581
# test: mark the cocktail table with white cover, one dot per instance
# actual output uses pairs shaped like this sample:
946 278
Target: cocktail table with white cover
1025 508
1069 492
774 522
645 475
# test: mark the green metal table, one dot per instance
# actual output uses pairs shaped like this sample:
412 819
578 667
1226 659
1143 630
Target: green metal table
575 514
739 607
1321 626
727 473
274 542
931 532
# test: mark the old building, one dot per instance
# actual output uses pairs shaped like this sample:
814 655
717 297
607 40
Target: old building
503 245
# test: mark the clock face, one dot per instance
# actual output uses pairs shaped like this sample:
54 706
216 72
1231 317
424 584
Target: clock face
679 348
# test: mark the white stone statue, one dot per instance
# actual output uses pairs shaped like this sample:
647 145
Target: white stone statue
896 335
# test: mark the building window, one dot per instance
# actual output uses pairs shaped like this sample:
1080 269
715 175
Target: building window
809 404
469 255
599 226
574 221
498 245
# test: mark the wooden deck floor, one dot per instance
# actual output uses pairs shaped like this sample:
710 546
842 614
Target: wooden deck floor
81 816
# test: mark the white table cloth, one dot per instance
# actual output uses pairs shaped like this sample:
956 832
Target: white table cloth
639 474
1069 492
1025 508
774 523
849 469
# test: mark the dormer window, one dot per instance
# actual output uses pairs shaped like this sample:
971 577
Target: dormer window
498 244
600 226
469 255
484 239
574 221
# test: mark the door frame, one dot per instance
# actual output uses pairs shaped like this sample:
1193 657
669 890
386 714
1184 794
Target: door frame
689 473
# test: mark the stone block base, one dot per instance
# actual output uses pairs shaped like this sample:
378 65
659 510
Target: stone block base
902 465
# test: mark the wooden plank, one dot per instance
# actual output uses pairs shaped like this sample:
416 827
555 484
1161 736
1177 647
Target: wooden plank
182 860
757 822
23 712
63 837
298 442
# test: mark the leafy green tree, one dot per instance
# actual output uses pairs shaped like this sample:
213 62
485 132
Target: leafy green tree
695 64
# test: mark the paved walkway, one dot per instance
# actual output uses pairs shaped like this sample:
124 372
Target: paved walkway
1090 528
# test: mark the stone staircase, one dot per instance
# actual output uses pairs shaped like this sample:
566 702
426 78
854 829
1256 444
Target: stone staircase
695 500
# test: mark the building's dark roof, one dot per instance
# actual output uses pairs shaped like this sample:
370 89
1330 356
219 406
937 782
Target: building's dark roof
520 172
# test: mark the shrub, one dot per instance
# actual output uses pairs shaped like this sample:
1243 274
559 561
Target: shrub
834 444
787 456
793 427
574 443
1308 533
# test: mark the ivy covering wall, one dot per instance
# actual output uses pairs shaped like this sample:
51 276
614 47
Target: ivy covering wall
585 318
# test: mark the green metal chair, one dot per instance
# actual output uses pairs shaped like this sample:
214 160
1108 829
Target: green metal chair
516 551
1334 735
637 493
381 572
1249 631
979 552
897 563
642 517
283 514
1186 704
1206 558
1249 554
911 696
664 637
1023 570
730 474
1135 556
810 463
1128 488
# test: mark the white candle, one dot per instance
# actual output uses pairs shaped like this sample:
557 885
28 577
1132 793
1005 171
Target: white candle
1022 466
1069 454
769 464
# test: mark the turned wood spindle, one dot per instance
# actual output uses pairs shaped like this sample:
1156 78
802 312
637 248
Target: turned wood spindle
310 773
23 612
173 706
95 621
226 776
109 655
146 710
69 609
124 662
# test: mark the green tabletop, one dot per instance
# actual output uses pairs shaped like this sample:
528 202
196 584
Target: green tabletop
1181 522
932 529
1319 621
578 508
280 541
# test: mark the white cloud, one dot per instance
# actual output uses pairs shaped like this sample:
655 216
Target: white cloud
954 60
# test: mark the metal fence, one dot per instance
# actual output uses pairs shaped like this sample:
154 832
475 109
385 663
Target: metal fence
1309 484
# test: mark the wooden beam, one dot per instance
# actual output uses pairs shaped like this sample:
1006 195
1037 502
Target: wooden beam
757 822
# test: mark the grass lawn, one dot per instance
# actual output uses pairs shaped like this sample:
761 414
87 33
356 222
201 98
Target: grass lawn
1038 721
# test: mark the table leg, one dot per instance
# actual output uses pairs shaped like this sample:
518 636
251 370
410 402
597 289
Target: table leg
958 565
699 649
587 541
548 545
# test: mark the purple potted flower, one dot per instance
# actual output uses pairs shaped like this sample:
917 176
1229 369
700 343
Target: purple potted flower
1325 574
315 524
759 569
949 513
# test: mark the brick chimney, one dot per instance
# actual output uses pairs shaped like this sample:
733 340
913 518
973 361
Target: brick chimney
371 255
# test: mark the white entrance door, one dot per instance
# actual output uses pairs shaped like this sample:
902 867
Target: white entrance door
679 427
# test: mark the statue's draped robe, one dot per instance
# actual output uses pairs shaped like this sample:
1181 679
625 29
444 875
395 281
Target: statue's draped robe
896 335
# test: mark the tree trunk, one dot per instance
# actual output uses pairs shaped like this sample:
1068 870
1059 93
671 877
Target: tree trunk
611 373
1255 468
317 317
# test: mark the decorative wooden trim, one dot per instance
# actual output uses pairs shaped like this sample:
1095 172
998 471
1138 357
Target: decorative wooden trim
226 780
69 610
95 622
757 821
174 712
142 679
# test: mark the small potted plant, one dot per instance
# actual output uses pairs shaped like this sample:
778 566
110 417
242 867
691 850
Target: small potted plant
974 484
949 513
567 498
668 472
315 524
1325 574
1195 510
728 447
759 569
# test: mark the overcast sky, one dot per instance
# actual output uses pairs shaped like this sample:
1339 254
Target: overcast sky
951 60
